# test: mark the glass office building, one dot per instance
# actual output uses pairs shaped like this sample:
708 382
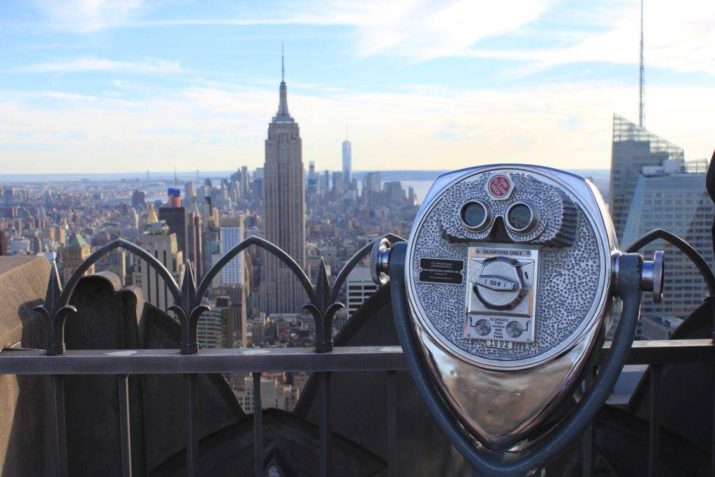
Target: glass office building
672 198
633 148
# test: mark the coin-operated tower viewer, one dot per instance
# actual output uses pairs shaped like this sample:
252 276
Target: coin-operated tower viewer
502 296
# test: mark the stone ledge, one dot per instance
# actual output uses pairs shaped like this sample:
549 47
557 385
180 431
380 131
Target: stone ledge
23 283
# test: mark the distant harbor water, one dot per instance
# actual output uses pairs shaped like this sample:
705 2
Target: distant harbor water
420 187
420 180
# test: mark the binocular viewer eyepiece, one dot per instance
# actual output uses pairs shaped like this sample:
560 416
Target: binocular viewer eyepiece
504 292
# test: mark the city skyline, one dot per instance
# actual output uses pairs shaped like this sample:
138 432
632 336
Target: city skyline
109 86
278 241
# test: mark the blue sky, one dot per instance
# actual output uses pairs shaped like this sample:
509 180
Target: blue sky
110 85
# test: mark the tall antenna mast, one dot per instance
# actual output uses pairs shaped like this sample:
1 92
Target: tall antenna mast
283 69
641 104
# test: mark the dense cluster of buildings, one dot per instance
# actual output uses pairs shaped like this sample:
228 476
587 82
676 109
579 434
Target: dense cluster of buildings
255 300
314 215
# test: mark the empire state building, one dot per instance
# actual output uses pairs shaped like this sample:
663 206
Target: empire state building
284 202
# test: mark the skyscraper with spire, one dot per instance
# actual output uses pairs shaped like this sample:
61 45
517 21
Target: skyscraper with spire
634 148
347 161
284 202
652 185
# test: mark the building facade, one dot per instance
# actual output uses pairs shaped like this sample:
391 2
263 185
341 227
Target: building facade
274 394
347 163
211 329
358 288
73 254
162 244
175 218
633 148
671 198
284 202
231 235
195 240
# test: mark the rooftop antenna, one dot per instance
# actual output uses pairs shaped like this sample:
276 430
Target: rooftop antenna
176 179
283 69
346 132
641 104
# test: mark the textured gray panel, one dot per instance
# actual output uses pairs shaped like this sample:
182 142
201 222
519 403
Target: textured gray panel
568 276
548 201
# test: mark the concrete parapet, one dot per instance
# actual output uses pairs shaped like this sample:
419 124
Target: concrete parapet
25 412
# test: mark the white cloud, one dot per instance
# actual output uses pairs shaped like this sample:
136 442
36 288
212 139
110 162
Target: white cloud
416 29
427 29
678 37
87 15
81 65
561 125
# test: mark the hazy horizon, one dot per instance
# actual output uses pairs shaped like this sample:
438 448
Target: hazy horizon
184 176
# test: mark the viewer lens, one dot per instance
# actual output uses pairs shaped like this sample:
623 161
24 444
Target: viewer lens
474 215
520 217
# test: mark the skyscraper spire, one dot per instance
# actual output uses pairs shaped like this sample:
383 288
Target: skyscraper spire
284 208
283 115
347 160
641 104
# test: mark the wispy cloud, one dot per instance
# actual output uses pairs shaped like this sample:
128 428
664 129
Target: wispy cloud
422 30
563 125
678 37
87 15
416 29
83 65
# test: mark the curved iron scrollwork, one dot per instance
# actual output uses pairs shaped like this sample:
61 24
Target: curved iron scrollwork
188 298
325 305
690 251
56 307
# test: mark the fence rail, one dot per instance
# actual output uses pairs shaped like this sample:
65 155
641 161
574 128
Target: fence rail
388 359
236 360
215 360
323 360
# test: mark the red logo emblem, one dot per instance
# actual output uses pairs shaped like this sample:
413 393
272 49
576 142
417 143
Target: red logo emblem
499 186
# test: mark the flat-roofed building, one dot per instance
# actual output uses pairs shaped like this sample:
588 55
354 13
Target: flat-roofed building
359 287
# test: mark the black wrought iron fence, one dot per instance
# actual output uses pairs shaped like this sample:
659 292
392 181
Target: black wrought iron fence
324 360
